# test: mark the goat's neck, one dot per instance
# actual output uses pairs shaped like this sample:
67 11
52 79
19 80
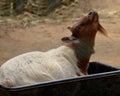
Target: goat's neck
83 50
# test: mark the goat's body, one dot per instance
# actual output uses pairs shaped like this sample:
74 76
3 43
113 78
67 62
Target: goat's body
34 67
64 62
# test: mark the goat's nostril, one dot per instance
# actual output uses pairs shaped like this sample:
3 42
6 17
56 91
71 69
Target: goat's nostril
92 13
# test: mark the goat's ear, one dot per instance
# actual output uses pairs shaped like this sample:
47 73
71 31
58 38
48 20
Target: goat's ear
102 30
69 39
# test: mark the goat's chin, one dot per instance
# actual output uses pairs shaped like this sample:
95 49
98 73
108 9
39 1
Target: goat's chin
76 41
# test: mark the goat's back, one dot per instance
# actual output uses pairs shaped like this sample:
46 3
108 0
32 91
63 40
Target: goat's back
34 67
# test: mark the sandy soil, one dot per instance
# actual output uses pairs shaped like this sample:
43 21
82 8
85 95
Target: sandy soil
45 36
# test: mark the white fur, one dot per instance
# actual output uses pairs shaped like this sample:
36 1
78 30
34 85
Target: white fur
33 67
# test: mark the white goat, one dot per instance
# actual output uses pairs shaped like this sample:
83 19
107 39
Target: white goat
67 61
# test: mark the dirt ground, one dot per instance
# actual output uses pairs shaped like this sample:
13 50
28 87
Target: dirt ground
45 36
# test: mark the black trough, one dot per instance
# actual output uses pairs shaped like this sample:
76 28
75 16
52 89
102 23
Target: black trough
103 80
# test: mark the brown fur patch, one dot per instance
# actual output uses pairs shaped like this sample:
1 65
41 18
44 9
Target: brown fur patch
78 74
83 65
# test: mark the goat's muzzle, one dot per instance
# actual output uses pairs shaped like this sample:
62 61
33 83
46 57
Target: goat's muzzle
93 16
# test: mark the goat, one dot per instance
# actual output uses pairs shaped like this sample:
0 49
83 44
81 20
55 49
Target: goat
69 60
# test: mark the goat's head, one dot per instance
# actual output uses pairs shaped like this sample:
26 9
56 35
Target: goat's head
85 28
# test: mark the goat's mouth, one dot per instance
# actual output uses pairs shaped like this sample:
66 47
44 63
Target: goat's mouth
93 16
